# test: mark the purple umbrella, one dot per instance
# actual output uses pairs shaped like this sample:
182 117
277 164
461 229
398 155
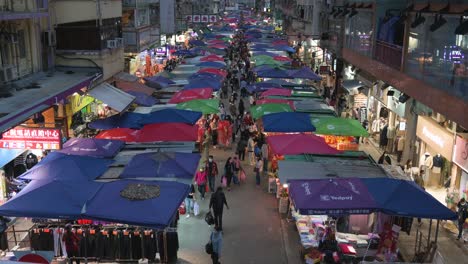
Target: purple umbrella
93 147
331 196
143 99
158 82
274 73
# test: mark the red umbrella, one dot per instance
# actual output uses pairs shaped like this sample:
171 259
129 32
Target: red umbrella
216 41
168 132
215 71
217 46
193 94
275 101
281 58
296 144
280 42
276 91
124 134
212 58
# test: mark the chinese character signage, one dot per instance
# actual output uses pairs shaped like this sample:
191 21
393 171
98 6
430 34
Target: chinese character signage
204 18
31 138
213 18
189 18
196 18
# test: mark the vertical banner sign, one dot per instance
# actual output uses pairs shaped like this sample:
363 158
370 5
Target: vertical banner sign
213 18
167 10
196 18
204 19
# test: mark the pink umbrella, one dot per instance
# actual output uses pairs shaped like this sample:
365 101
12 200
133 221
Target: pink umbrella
281 58
124 134
212 58
217 46
280 42
275 101
276 91
189 95
168 132
296 144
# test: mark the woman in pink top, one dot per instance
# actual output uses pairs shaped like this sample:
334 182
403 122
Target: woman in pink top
200 180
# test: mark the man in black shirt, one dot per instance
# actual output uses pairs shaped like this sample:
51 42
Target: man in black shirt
217 202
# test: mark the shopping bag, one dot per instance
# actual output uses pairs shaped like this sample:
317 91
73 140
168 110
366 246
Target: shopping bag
242 176
209 219
182 209
224 182
235 179
209 248
196 208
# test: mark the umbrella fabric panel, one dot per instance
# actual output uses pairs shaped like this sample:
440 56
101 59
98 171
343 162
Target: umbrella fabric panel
162 165
338 126
125 120
277 91
143 99
168 132
158 212
99 148
206 106
305 73
124 134
172 115
193 94
287 122
296 144
260 110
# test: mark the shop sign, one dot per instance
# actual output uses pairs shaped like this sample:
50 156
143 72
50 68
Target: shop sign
324 70
439 139
31 138
163 40
460 153
161 51
78 102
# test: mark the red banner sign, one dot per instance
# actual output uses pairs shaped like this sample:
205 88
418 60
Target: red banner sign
31 138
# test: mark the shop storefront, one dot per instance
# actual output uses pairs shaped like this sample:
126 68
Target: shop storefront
435 151
460 159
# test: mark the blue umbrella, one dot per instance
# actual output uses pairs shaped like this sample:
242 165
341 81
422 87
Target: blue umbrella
257 53
125 120
305 73
203 75
203 83
184 52
162 81
211 64
92 147
171 115
197 42
285 48
262 68
143 99
274 73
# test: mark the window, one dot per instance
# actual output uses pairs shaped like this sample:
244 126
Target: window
359 34
21 44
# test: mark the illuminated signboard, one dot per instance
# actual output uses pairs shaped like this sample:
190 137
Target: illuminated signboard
31 138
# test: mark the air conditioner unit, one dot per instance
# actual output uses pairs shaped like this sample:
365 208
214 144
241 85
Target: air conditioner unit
50 39
8 74
112 44
119 42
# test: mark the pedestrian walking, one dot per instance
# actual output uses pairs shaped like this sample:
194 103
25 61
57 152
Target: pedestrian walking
250 150
3 235
211 171
241 148
200 180
71 244
189 201
217 203
229 172
258 169
222 111
265 156
462 215
214 132
216 239
237 168
241 107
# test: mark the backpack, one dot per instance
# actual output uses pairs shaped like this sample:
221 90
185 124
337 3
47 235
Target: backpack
257 151
209 248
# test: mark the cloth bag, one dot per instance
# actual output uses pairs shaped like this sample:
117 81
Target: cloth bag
224 182
196 208
242 176
209 219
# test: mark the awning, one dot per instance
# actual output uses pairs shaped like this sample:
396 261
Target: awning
349 85
115 98
7 155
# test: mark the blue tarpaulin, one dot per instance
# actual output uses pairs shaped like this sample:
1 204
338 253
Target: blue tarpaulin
175 165
211 64
67 168
274 73
287 122
125 120
50 199
203 83
109 205
171 115
206 75
92 147
143 99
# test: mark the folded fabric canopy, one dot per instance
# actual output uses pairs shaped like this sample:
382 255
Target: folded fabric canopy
125 120
59 166
172 115
50 199
206 106
93 147
264 109
193 94
108 204
287 122
362 196
338 126
276 91
295 144
125 134
168 132
164 165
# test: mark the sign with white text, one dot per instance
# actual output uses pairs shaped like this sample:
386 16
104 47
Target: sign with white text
31 138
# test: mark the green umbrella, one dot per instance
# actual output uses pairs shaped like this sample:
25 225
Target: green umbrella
272 63
338 126
262 57
264 109
206 106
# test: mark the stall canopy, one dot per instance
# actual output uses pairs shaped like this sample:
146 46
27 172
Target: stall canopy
212 58
67 168
172 115
265 109
275 101
206 106
276 91
211 64
134 87
168 132
163 165
331 197
313 106
338 126
50 199
125 120
143 99
287 122
124 134
294 144
350 85
203 83
93 147
158 82
274 73
188 95
305 73
214 71
114 202
7 155
113 97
